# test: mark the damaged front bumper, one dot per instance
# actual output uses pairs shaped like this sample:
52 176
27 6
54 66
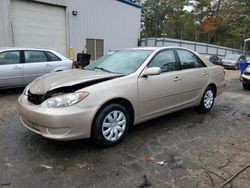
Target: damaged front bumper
67 123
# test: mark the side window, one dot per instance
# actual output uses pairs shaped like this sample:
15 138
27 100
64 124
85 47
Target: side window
165 60
189 60
10 57
35 56
242 58
52 57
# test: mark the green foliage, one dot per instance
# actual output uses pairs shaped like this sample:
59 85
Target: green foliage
223 22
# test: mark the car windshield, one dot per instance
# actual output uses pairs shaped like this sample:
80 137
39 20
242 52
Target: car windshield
121 62
232 56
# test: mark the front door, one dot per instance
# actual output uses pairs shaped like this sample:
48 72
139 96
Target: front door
160 93
36 64
11 69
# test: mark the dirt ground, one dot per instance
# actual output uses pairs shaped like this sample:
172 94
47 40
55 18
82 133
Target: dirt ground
194 150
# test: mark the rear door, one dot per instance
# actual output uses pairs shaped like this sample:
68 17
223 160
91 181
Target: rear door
36 64
11 69
194 75
55 62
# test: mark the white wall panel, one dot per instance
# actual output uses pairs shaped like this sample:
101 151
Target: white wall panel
212 50
5 28
201 49
115 22
189 46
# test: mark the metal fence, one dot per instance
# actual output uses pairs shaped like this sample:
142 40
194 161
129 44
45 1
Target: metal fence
201 48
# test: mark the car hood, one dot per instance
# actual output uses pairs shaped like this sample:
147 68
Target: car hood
229 61
68 79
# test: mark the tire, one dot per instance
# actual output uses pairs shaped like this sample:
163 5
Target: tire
207 100
246 86
237 67
108 130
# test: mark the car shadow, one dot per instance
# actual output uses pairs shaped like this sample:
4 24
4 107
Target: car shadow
11 91
145 132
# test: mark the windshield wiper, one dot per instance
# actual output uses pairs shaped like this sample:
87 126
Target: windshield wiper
103 69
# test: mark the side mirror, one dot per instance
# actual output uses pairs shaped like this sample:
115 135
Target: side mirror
151 71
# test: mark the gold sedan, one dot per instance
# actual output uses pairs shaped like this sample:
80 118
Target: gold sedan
117 91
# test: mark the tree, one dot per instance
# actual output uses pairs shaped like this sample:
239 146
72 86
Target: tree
162 18
223 22
200 11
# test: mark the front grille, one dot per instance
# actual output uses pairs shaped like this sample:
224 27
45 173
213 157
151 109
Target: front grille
227 66
35 99
247 73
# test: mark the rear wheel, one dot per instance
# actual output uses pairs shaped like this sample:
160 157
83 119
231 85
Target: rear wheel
111 125
207 100
246 86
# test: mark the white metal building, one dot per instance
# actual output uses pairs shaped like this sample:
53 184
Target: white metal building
98 25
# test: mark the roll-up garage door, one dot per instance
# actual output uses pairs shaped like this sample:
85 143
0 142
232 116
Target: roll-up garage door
38 25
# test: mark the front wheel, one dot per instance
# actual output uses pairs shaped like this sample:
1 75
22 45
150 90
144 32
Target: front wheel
207 100
111 125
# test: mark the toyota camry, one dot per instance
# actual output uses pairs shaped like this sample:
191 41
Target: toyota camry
118 91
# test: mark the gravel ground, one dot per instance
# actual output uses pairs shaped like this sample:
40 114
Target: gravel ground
194 150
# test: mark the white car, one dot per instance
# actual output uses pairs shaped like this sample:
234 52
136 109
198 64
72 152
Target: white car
246 78
20 66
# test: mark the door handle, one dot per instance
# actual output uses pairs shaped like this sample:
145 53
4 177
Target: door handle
48 65
177 78
205 73
17 67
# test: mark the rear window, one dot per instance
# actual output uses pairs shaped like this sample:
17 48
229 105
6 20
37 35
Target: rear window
52 57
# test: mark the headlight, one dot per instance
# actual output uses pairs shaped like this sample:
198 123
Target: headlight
64 100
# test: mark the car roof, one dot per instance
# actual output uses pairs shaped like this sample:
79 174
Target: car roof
155 48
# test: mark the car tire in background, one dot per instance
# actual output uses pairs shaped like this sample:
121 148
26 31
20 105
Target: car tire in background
110 125
237 67
207 100
246 86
